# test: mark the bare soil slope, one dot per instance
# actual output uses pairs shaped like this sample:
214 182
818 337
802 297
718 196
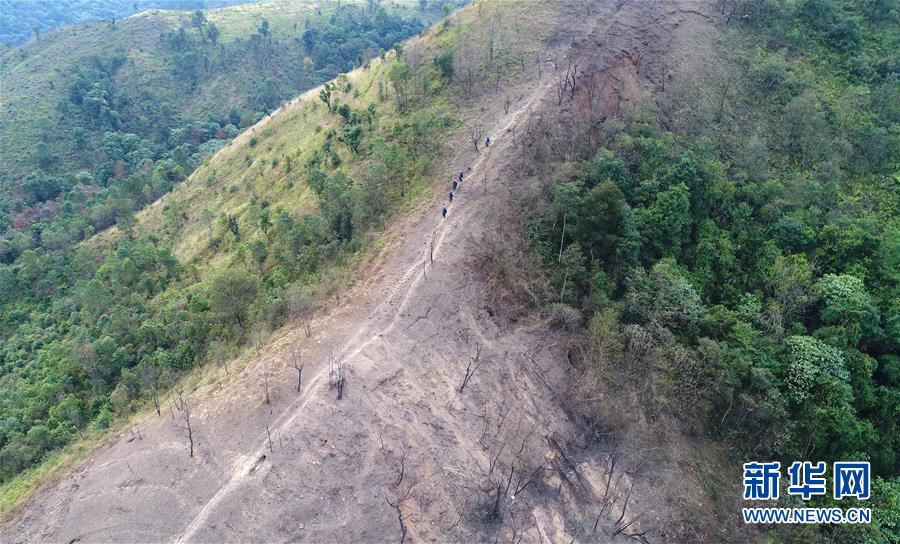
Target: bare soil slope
407 452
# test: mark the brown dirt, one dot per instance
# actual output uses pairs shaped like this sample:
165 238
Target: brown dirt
407 331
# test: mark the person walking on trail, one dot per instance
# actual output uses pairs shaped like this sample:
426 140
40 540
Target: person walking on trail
460 176
455 184
444 211
450 194
487 143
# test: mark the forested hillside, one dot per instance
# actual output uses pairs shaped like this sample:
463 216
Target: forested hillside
21 20
740 272
100 119
680 253
118 115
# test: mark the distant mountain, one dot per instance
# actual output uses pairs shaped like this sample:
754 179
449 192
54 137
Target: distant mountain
21 20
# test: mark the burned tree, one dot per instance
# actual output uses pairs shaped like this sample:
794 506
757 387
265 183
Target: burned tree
336 374
561 85
571 73
183 405
475 361
567 82
297 363
257 344
402 467
397 505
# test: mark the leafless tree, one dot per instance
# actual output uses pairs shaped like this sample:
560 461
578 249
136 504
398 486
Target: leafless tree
506 103
397 505
297 363
476 132
257 344
522 483
474 362
336 374
493 460
567 82
561 86
402 467
571 73
183 405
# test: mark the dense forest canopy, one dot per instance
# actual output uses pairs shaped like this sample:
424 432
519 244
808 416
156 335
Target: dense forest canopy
745 279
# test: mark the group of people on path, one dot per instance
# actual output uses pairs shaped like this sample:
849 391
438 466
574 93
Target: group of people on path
457 182
453 187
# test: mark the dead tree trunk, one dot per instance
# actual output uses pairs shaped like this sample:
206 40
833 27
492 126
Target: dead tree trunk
266 380
476 132
473 364
336 375
183 406
571 72
297 363
397 505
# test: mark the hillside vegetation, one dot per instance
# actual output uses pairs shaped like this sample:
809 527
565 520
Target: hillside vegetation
100 119
700 269
251 239
146 115
738 265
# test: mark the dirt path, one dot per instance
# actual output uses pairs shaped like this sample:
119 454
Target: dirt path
392 310
404 449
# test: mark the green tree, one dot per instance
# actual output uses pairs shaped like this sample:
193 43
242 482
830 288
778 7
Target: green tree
259 251
398 75
443 61
212 31
564 207
848 310
231 292
602 227
667 224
